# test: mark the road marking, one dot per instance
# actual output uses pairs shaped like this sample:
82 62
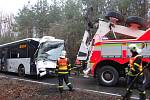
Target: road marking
3 76
44 83
26 80
107 93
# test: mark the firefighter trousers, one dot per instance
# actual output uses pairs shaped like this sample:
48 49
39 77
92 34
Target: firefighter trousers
138 85
61 78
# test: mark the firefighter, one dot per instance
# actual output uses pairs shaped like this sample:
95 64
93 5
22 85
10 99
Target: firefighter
63 69
135 66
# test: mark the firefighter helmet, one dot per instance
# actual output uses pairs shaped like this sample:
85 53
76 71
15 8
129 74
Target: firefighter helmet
63 54
134 48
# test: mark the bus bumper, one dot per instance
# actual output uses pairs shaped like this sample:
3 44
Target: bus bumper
50 71
42 73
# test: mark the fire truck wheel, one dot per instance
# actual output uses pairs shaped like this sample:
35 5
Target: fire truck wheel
21 71
135 20
115 15
107 75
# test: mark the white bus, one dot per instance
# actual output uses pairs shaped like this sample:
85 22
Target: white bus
31 56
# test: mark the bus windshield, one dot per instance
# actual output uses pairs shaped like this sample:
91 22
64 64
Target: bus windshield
50 50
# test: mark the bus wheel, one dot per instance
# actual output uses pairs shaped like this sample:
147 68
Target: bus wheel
107 75
21 71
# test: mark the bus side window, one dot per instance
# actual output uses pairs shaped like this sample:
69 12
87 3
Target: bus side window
23 53
14 53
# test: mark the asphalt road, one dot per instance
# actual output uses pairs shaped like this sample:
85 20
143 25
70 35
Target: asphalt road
91 84
85 83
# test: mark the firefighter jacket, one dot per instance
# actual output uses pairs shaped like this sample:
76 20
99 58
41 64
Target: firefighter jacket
135 65
63 66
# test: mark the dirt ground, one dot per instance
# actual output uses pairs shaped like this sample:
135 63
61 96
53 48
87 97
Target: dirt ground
20 90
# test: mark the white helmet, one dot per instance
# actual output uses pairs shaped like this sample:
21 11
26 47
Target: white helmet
63 54
134 48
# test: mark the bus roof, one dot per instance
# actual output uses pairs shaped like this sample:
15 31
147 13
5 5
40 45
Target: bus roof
18 41
50 38
28 39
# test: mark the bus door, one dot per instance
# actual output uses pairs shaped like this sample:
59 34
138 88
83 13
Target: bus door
4 60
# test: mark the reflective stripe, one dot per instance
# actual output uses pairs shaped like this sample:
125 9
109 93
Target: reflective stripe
63 68
144 92
132 68
63 72
60 86
130 74
68 83
136 64
131 62
140 66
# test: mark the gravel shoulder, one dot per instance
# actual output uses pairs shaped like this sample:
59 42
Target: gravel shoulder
11 89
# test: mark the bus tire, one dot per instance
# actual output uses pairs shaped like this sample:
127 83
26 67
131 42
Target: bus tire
21 71
136 20
107 75
115 15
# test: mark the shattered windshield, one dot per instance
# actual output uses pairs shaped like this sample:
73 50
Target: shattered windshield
50 50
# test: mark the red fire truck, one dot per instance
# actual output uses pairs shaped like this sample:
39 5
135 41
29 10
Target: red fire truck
107 58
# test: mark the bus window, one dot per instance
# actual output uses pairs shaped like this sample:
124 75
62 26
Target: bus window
14 53
50 51
23 53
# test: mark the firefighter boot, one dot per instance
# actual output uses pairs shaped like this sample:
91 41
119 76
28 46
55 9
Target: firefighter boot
142 96
128 95
61 89
70 87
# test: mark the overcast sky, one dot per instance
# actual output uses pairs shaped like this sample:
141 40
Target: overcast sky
12 6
